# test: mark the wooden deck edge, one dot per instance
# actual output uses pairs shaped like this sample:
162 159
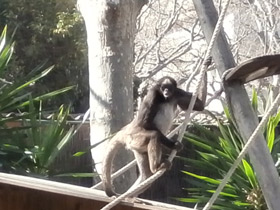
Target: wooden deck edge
78 191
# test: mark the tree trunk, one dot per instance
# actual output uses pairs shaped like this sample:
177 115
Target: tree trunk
111 27
241 107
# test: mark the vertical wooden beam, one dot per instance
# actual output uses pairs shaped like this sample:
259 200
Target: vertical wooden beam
241 108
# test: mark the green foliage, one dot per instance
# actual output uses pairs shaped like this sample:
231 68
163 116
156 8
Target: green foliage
270 131
53 31
6 50
254 100
28 144
80 153
216 151
34 145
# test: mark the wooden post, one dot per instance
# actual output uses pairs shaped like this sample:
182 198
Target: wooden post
241 108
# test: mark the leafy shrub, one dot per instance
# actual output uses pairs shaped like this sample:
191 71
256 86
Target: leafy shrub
216 152
28 144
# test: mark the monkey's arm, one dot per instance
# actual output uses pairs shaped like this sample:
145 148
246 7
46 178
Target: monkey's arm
148 111
184 98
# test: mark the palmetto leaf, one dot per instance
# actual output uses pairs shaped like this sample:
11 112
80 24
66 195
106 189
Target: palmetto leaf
217 150
270 130
47 96
28 145
250 174
254 100
55 151
206 179
6 50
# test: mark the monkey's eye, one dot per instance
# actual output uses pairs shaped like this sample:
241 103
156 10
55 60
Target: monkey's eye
168 87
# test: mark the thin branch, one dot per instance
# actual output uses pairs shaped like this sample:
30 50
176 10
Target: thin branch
167 61
170 24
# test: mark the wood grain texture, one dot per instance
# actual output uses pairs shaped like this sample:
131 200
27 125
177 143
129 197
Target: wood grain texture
27 193
255 68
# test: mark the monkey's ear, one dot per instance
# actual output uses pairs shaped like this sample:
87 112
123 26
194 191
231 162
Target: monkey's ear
255 68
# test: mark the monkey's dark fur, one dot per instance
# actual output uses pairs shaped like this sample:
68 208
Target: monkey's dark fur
145 135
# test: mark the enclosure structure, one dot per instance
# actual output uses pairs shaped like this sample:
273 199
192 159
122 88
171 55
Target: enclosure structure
26 193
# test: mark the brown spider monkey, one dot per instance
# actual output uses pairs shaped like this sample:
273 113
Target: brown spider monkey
145 135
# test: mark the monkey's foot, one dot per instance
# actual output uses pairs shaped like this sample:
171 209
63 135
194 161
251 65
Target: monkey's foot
111 193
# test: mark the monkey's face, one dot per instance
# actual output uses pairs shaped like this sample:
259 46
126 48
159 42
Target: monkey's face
167 89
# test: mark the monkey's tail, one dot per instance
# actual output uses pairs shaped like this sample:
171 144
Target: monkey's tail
113 146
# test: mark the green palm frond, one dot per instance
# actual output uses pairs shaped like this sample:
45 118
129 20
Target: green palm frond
28 144
216 150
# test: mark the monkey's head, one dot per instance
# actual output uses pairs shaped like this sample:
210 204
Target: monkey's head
167 86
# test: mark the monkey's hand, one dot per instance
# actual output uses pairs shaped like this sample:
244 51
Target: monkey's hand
178 146
208 61
165 165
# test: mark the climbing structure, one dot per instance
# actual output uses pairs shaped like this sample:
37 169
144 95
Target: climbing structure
240 105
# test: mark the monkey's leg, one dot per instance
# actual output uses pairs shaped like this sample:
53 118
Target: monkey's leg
154 155
143 165
144 170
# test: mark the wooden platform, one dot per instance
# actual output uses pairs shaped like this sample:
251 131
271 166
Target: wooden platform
26 193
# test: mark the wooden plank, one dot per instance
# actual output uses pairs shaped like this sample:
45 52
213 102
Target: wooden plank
255 68
241 107
19 198
27 193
